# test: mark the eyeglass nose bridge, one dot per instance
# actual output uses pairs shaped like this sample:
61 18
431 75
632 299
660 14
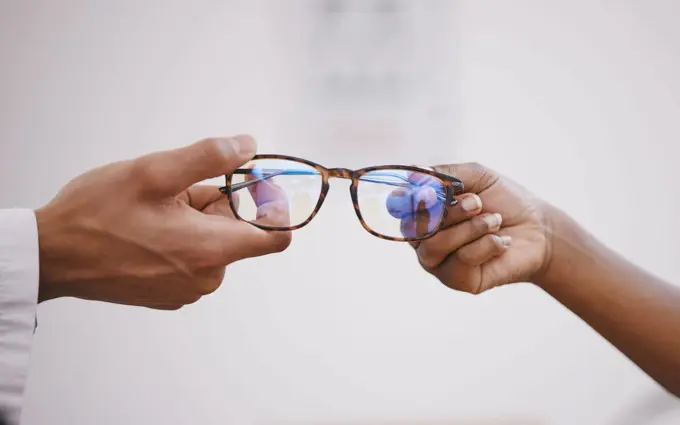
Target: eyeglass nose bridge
341 173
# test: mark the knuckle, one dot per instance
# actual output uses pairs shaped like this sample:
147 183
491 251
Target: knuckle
211 285
204 153
223 148
191 299
273 241
216 146
474 288
141 173
448 169
210 149
486 177
464 256
427 256
480 226
476 166
458 282
470 286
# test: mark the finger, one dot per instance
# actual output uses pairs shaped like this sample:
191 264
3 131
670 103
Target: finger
273 209
420 211
168 173
274 214
228 241
209 200
468 205
211 280
482 250
200 196
235 201
464 270
265 190
475 177
424 221
433 251
420 208
425 192
404 203
222 206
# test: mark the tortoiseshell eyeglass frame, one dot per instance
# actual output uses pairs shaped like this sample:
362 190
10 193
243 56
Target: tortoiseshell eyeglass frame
452 186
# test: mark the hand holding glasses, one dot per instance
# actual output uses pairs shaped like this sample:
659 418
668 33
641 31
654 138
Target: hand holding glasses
393 202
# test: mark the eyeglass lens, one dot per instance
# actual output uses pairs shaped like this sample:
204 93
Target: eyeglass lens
291 186
400 203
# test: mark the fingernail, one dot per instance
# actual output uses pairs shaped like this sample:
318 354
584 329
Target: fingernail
243 145
471 203
503 240
493 221
427 195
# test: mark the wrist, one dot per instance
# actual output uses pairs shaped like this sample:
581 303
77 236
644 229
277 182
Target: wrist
567 245
53 256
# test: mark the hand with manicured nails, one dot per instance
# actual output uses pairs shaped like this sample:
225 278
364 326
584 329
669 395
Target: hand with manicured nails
496 234
500 233
143 232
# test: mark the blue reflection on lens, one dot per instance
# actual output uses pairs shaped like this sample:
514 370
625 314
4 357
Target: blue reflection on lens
414 202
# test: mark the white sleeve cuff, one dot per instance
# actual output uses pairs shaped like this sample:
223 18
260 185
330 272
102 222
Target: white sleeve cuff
19 279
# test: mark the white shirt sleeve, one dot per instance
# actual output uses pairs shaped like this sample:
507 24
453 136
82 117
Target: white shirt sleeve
19 278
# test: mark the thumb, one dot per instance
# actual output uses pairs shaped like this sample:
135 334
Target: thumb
168 173
475 177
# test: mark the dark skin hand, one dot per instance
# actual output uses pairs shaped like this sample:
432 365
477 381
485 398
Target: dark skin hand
537 243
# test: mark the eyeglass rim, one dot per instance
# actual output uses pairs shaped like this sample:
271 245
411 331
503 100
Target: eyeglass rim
453 187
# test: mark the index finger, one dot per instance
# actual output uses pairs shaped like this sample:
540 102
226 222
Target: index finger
423 193
419 205
231 240
271 201
475 177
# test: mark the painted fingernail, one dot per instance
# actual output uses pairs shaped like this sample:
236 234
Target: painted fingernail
471 203
503 240
427 195
493 221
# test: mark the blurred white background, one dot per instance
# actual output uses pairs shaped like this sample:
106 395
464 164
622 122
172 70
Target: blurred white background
577 100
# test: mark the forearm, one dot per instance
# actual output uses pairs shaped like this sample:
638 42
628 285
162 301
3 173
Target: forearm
635 311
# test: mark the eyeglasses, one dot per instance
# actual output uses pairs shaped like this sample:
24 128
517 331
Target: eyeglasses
393 202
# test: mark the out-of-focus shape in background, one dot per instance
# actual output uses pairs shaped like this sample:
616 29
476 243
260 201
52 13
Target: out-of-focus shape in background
371 76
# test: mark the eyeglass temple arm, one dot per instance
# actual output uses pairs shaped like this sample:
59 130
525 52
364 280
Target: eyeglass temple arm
239 186
267 174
